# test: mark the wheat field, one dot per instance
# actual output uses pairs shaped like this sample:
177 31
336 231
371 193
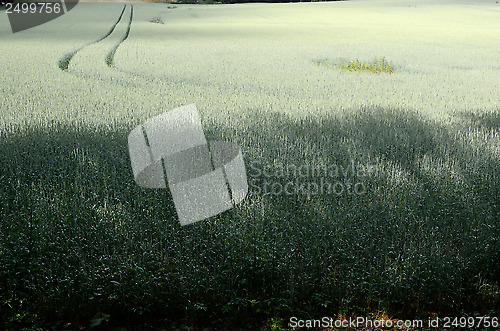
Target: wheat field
394 200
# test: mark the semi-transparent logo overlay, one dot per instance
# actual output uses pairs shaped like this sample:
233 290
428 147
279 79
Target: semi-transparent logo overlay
204 178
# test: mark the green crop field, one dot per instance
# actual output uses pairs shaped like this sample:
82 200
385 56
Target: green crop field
370 133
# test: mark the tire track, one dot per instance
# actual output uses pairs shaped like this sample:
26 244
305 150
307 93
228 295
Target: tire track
92 60
111 55
66 59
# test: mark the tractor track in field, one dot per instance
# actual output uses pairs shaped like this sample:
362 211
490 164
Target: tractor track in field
111 55
66 59
138 79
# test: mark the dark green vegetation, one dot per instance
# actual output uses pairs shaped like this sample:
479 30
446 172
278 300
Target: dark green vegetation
80 242
376 66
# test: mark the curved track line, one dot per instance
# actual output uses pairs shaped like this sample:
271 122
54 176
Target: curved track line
66 59
111 55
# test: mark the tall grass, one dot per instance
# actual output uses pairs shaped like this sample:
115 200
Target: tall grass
79 237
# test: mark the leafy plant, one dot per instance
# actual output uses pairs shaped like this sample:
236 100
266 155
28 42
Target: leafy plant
98 318
376 66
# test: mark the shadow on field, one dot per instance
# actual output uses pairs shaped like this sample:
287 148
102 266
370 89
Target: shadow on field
490 120
73 219
429 200
417 234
